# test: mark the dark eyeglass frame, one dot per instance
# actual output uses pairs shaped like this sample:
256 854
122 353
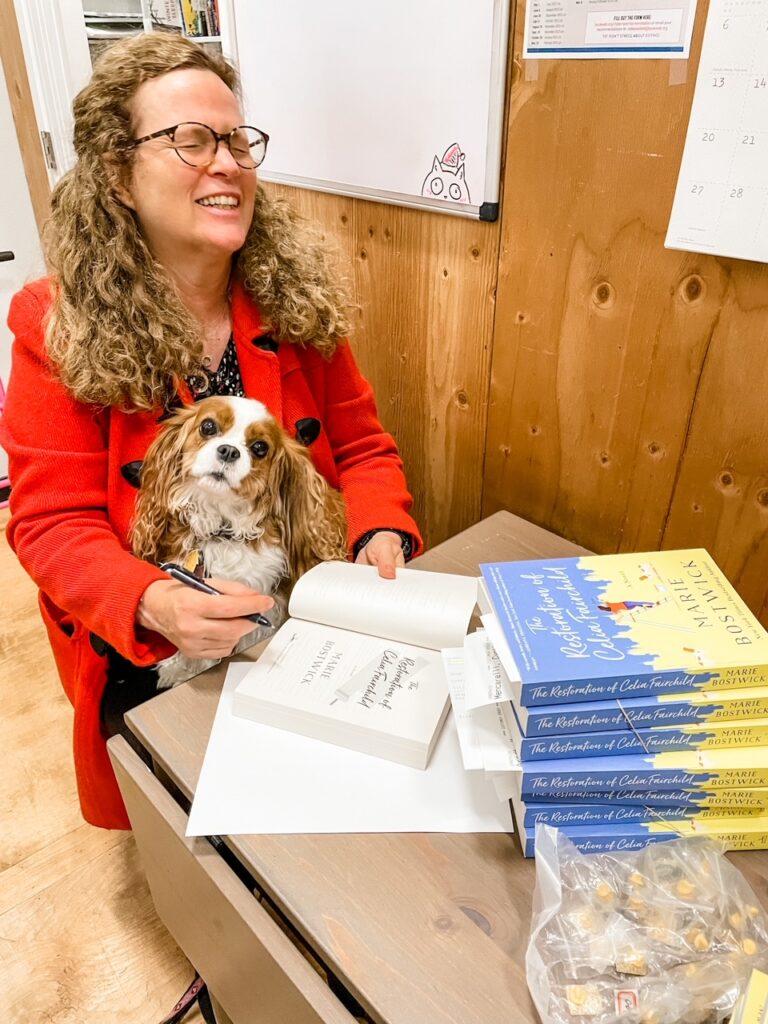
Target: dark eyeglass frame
218 137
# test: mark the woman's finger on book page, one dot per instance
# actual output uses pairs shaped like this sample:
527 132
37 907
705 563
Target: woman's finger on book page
385 551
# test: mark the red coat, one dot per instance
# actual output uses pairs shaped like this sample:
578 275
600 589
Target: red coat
71 507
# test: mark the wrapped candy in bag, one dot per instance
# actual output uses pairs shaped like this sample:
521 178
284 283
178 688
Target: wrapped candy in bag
664 935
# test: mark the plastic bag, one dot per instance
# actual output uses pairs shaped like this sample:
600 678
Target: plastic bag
664 935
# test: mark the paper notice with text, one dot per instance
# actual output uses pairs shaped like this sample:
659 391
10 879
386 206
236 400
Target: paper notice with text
558 29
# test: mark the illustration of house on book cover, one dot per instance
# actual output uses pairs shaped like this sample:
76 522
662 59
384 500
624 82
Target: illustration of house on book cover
623 626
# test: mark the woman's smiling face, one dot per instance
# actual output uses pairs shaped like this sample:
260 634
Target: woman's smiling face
186 211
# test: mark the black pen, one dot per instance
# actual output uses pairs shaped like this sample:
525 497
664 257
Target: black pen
179 573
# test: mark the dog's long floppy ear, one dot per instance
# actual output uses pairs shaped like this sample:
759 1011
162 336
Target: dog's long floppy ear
307 511
160 474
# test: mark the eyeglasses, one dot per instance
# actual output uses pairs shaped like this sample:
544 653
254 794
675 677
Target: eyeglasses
197 144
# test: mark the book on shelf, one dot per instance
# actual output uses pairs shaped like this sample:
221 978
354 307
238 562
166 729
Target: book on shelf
622 626
731 768
359 663
704 708
749 833
199 18
751 733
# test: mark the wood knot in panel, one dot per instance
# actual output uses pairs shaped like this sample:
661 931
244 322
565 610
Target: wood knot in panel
444 923
692 288
363 254
521 317
477 918
762 497
387 234
445 271
461 399
604 295
344 218
505 450
475 252
371 232
534 429
655 449
725 480
604 458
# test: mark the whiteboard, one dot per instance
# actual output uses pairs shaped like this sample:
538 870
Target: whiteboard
400 102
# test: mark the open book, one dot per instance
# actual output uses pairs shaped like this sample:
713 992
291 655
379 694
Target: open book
358 663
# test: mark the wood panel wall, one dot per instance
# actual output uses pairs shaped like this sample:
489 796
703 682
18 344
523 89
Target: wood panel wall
627 381
424 284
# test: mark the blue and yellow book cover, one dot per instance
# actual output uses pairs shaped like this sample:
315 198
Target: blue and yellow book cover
604 812
726 801
625 625
664 738
561 815
731 768
705 707
736 833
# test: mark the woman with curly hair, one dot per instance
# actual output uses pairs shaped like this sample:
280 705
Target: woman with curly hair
173 276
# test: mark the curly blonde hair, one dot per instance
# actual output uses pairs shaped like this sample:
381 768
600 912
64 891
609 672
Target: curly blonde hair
118 333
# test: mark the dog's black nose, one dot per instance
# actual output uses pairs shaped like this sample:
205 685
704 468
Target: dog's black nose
228 453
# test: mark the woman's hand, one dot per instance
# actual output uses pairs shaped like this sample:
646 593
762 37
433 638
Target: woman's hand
385 550
201 625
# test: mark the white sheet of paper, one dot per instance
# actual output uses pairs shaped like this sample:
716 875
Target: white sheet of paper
720 199
503 653
486 680
493 731
263 781
607 29
471 751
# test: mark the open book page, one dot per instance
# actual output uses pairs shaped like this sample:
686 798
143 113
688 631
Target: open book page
378 696
429 609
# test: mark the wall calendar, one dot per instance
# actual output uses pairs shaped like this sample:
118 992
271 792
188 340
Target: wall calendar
721 200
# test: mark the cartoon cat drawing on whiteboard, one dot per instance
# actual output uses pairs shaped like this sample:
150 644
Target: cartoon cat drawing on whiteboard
446 180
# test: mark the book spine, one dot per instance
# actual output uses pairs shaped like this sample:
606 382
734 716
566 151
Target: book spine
601 844
636 685
188 18
724 799
557 721
644 777
562 815
644 741
602 841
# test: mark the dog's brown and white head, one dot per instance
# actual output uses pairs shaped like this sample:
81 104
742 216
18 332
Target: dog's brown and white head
225 467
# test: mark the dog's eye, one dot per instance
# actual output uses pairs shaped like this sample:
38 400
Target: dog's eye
259 449
209 428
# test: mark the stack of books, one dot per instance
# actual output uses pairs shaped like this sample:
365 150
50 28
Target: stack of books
639 705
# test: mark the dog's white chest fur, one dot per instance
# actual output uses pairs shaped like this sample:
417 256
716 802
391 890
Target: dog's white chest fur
261 568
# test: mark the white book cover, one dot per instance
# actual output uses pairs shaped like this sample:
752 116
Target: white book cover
358 663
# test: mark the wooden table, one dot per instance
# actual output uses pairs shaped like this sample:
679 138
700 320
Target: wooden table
417 929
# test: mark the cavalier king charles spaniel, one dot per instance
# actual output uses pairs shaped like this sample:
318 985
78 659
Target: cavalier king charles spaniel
227 493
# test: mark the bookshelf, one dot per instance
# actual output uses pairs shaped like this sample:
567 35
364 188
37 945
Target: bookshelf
196 19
